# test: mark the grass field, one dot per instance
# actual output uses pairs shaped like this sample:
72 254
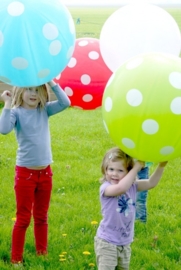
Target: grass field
79 142
92 19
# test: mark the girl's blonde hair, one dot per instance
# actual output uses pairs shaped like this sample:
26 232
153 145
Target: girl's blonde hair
115 154
43 95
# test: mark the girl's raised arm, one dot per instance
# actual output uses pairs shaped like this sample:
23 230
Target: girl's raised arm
62 101
125 183
153 180
6 123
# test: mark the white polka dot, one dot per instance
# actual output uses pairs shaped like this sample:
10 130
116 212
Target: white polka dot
134 97
71 26
175 105
43 73
55 47
108 104
58 76
175 79
150 126
87 98
167 150
128 143
15 8
93 55
106 128
85 79
68 91
134 63
5 79
20 63
110 80
83 43
50 31
1 38
72 62
70 52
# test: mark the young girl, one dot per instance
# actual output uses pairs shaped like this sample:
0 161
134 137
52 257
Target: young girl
27 112
118 197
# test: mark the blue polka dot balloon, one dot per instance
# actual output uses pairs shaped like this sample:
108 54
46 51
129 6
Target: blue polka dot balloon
37 40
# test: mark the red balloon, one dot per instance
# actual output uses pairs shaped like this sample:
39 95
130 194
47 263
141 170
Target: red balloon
86 75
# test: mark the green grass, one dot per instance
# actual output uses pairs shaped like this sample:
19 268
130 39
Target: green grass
79 142
92 19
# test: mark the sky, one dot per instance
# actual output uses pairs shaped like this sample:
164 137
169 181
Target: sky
119 2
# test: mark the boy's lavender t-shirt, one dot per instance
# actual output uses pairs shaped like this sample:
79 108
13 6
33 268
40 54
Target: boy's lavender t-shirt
117 225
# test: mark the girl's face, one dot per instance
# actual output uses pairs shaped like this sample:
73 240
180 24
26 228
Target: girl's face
115 171
30 98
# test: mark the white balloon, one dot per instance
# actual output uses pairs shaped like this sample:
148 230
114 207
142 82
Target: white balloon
135 29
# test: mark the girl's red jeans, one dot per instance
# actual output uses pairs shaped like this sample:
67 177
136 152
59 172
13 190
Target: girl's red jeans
33 191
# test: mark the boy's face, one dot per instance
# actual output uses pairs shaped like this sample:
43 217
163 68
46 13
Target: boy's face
115 171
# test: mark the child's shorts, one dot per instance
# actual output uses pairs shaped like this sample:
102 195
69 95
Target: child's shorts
108 256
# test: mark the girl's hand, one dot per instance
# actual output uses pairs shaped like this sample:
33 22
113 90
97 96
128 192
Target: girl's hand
6 96
139 164
163 164
51 83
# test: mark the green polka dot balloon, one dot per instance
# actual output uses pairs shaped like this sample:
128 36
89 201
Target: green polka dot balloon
142 107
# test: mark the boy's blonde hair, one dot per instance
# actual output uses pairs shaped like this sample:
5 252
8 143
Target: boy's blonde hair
115 154
43 95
